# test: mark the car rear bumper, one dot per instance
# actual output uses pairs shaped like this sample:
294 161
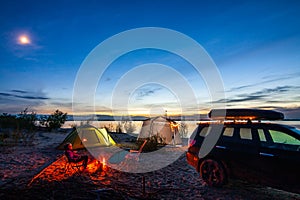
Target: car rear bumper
192 160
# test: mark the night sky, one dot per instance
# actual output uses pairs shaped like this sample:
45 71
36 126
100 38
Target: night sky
254 44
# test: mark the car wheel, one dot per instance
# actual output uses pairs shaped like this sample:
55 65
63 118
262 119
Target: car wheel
213 173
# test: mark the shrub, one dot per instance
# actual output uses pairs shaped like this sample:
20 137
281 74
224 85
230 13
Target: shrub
119 128
55 120
17 129
129 127
8 121
183 130
22 121
26 121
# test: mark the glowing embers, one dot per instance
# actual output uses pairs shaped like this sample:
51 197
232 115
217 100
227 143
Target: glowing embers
95 165
56 171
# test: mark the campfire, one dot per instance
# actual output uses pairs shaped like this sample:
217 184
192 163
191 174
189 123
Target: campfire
57 171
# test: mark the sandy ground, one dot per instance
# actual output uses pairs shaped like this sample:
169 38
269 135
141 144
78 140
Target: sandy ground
38 172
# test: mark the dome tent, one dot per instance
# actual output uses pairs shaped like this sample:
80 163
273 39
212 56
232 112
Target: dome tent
165 129
87 136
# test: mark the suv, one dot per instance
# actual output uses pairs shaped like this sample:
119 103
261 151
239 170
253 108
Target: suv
265 153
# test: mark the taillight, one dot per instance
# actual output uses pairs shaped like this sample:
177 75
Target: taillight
192 142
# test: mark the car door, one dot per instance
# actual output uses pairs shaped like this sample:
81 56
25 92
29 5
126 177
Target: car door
279 157
239 150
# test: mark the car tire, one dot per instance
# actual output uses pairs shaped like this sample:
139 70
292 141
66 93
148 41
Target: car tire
213 173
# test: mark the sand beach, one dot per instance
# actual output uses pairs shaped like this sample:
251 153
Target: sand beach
38 172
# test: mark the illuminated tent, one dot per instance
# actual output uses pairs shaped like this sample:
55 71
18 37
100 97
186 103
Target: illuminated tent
88 136
165 129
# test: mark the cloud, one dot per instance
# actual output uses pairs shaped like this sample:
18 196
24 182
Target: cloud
273 78
62 104
19 91
243 99
145 92
16 100
259 95
289 112
249 98
103 109
240 87
5 94
279 89
268 79
23 97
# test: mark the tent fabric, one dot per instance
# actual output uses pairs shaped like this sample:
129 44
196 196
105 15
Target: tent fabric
88 136
165 129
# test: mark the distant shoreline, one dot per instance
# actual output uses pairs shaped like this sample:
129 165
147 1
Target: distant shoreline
195 117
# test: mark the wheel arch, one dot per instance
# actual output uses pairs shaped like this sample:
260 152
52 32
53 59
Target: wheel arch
220 161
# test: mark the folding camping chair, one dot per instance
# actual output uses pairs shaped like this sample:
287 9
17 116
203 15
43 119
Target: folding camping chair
76 166
134 154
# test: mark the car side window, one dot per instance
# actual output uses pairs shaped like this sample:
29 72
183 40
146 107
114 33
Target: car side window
228 132
245 133
283 138
261 135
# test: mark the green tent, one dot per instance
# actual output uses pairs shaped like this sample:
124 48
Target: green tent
88 136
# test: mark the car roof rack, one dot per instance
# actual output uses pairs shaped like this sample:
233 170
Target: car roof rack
245 114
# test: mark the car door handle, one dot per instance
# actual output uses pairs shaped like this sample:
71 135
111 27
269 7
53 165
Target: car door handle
266 154
221 147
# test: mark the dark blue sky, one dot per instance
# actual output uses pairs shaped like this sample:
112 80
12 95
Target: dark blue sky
255 45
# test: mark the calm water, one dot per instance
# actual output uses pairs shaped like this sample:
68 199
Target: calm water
191 125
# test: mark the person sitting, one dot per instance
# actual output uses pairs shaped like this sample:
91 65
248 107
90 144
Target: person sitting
73 156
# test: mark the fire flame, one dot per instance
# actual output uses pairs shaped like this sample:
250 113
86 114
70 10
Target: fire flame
103 164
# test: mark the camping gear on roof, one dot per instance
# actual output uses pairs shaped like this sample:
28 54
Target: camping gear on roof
88 136
246 114
165 129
